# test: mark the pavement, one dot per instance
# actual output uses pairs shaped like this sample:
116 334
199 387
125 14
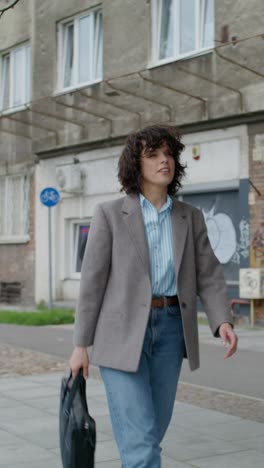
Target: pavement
196 437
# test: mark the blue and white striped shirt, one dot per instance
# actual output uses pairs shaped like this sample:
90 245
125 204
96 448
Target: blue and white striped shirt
159 236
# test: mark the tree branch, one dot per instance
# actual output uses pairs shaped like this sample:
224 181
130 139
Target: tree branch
8 7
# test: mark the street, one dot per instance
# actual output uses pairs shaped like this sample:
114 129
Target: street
242 374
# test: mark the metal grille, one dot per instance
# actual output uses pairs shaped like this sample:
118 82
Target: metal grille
10 292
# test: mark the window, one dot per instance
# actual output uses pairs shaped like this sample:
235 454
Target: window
80 50
80 238
181 28
14 195
15 78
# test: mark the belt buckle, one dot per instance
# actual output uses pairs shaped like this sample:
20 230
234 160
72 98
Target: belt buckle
165 301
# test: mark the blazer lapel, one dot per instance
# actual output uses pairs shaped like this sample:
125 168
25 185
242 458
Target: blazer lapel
179 232
133 219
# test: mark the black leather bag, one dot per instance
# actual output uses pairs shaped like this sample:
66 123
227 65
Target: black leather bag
77 429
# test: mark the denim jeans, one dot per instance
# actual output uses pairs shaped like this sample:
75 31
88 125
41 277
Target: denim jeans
141 403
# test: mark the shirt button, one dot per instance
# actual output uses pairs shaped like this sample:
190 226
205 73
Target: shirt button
183 304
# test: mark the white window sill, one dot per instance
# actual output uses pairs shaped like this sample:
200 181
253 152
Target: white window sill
61 92
73 277
12 110
14 239
189 55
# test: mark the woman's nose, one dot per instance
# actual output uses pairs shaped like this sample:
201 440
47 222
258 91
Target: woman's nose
164 157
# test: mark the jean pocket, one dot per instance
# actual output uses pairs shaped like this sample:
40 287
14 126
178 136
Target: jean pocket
174 310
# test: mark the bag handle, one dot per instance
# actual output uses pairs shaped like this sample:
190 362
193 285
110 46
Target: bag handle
78 380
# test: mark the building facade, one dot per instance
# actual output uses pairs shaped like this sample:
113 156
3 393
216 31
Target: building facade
77 77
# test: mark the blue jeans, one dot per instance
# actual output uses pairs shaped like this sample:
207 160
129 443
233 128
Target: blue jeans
141 403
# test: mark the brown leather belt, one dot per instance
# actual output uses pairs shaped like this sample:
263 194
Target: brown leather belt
164 301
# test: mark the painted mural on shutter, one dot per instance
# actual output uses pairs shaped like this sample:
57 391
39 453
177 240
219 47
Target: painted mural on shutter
228 228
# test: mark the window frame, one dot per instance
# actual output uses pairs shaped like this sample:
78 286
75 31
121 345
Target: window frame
8 237
25 78
74 223
61 54
199 33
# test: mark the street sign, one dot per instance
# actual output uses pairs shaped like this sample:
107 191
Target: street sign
49 196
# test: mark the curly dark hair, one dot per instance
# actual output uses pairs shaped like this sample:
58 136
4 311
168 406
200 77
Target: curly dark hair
149 138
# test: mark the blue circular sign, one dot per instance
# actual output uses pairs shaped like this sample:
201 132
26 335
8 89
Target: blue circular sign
49 196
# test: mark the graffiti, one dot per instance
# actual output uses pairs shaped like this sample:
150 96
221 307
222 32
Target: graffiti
221 233
222 236
244 241
236 257
257 247
242 247
230 244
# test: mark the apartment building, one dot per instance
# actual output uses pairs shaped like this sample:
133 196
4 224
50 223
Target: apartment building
77 77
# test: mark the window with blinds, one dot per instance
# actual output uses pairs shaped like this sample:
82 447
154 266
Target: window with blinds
15 78
181 28
14 204
80 52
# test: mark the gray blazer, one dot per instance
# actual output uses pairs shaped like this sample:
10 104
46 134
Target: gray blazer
115 289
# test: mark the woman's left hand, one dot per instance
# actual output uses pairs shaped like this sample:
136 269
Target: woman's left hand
229 338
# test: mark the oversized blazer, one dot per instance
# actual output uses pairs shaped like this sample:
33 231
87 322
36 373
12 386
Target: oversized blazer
115 289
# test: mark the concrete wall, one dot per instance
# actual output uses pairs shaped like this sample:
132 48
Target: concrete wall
196 89
242 17
201 88
125 26
223 156
16 25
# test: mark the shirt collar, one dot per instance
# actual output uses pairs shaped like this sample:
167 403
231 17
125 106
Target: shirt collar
167 205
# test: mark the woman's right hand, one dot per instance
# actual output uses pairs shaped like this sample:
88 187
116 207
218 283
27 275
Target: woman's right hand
79 358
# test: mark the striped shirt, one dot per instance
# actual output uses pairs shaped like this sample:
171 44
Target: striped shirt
159 236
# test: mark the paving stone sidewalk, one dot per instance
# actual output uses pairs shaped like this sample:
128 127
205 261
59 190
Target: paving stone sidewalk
196 437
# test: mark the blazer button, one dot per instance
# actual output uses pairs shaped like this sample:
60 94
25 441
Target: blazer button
183 304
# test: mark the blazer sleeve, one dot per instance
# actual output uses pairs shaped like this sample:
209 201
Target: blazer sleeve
211 285
94 276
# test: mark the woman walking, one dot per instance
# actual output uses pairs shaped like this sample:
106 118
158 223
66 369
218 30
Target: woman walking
146 259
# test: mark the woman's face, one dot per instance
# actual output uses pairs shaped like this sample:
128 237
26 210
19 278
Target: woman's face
157 167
